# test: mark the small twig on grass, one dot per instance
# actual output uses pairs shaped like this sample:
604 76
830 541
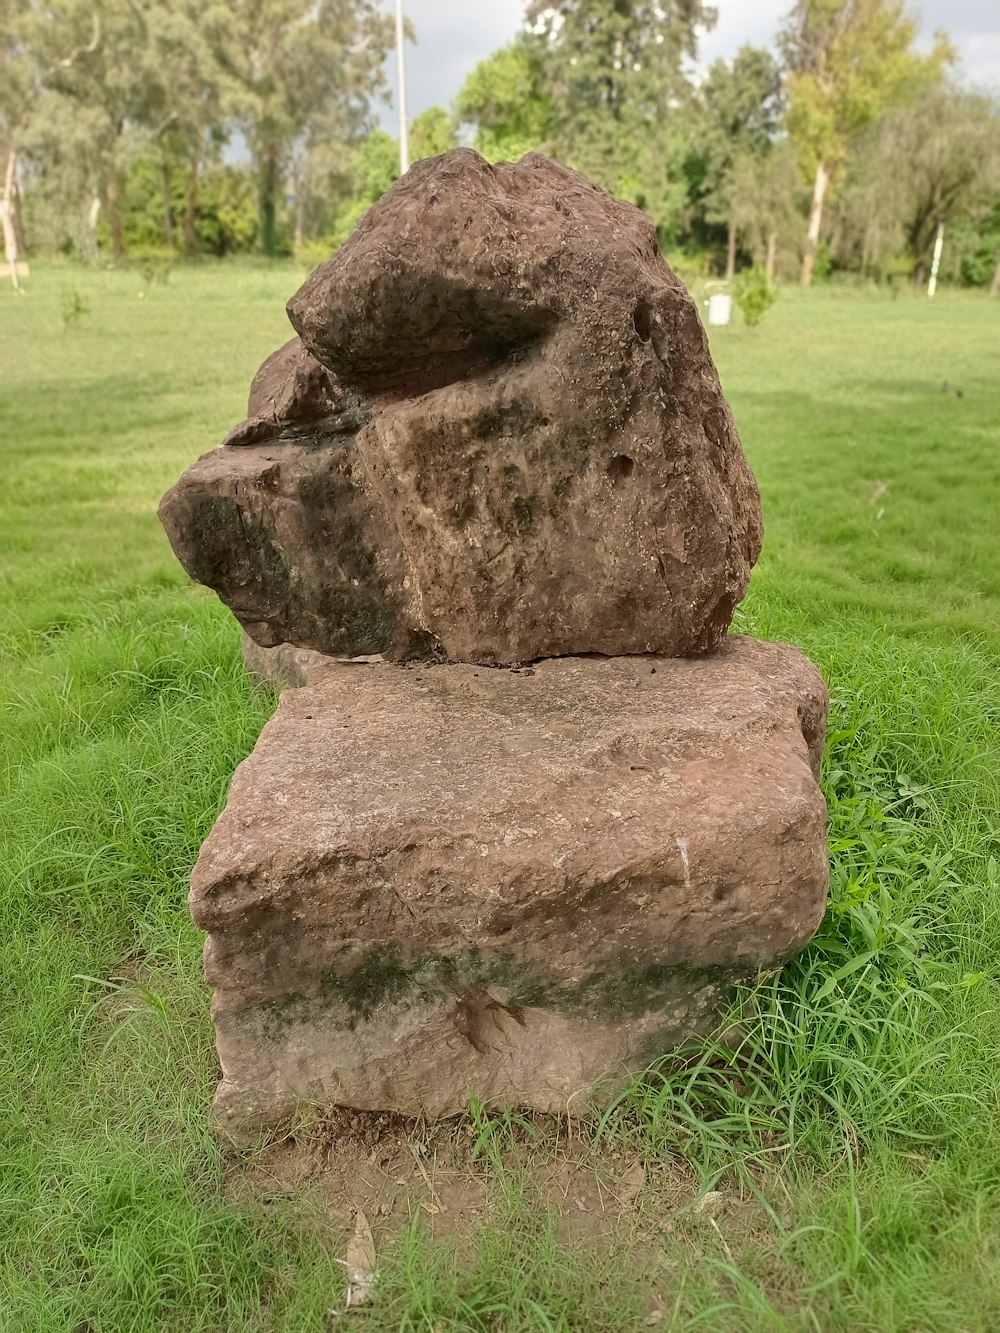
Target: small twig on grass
435 1197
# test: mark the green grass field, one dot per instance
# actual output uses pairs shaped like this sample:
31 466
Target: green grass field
841 1171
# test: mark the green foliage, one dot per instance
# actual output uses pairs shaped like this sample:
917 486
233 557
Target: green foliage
755 295
123 121
432 133
226 220
766 195
374 168
305 74
614 70
739 106
155 265
847 60
508 101
980 254
125 99
72 306
949 139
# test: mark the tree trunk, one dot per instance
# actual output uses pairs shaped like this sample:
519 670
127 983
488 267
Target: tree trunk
115 218
920 273
10 205
995 284
269 202
815 221
17 216
731 252
300 215
191 202
769 258
168 210
90 235
10 246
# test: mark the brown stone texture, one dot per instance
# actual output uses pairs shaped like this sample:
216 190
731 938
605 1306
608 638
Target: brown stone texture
293 393
284 666
499 437
437 880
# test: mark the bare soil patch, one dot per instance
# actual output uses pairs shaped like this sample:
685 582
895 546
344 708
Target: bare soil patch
456 1175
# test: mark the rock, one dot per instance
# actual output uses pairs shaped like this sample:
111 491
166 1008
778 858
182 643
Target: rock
431 881
293 394
501 437
259 520
284 666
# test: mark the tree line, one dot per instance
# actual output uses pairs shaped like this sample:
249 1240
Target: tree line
221 126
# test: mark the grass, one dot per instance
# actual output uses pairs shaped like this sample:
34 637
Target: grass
857 1116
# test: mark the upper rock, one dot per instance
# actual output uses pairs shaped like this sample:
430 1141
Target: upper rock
501 437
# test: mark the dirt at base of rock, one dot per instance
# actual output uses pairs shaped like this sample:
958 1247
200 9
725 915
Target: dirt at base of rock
458 1178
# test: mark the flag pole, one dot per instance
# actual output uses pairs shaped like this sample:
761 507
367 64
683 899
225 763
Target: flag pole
404 145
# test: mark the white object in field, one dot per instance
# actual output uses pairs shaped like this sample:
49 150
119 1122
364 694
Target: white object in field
720 307
404 136
936 260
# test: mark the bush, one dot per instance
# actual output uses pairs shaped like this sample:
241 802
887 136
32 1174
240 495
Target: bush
72 306
754 295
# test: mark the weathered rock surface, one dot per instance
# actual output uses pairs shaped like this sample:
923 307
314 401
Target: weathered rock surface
293 393
433 880
285 666
501 437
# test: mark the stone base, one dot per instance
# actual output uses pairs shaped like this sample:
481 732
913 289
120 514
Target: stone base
437 881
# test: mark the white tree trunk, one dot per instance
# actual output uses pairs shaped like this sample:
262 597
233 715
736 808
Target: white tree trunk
820 185
7 214
90 231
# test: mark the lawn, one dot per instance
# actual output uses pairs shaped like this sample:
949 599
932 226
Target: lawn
840 1170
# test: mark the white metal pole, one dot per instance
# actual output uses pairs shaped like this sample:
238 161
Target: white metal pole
936 260
404 137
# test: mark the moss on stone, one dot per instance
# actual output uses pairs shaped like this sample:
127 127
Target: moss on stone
384 976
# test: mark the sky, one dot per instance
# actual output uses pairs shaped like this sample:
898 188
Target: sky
454 35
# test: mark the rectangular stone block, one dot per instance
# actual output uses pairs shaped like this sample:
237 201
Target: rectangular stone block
432 881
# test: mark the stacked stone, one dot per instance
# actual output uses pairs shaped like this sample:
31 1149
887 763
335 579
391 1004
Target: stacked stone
530 812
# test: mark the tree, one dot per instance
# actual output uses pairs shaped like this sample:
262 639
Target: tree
740 105
103 94
373 169
949 139
17 91
432 133
847 60
614 70
33 54
764 202
307 74
507 99
188 97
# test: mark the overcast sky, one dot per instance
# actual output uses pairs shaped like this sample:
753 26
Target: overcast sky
454 35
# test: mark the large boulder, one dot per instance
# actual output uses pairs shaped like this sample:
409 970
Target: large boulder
500 436
437 880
